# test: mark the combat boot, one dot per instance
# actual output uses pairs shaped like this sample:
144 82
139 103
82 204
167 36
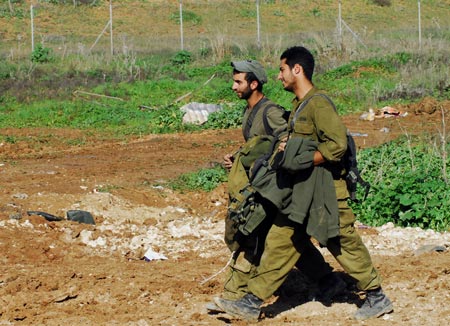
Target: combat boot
213 308
247 308
376 305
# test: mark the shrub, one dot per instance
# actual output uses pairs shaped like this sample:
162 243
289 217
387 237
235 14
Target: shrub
181 58
316 12
226 118
41 54
408 187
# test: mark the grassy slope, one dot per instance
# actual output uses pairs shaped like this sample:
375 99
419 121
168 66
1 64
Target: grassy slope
143 80
144 25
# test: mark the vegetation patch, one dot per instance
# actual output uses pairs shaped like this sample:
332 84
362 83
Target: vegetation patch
409 184
188 16
41 54
204 179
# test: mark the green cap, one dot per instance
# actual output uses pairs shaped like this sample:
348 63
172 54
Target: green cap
251 66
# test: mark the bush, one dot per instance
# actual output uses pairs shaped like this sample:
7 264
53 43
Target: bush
226 118
181 58
408 187
41 54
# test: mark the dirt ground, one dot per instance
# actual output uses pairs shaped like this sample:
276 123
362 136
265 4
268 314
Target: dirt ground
69 273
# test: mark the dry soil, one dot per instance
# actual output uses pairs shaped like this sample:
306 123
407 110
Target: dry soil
67 273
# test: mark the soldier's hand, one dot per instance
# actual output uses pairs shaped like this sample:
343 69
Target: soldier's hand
282 145
228 160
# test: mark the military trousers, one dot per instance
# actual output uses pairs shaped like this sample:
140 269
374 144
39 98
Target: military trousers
287 242
245 264
287 245
348 249
246 259
240 271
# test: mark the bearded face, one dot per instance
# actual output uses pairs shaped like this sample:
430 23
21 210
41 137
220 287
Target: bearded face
241 87
245 95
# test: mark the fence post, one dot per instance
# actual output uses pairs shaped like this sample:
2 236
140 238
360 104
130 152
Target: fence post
420 26
181 25
32 28
258 34
111 27
11 9
340 25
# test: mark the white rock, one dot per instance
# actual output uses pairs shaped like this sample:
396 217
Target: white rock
85 236
197 113
152 255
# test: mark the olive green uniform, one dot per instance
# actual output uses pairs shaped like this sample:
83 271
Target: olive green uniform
247 257
285 241
253 120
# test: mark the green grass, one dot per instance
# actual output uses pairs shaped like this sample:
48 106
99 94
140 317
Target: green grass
203 179
107 99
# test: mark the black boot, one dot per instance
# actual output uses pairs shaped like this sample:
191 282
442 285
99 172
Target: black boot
247 308
377 304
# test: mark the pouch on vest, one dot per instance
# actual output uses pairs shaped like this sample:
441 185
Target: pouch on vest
255 148
246 210
245 213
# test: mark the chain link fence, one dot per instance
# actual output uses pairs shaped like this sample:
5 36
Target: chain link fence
220 28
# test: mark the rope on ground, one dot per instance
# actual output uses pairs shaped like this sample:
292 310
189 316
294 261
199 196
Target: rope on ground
223 268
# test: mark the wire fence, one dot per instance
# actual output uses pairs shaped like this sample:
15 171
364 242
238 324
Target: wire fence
256 24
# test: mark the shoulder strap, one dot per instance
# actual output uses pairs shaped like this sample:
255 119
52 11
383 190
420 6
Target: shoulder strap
251 117
267 127
305 102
